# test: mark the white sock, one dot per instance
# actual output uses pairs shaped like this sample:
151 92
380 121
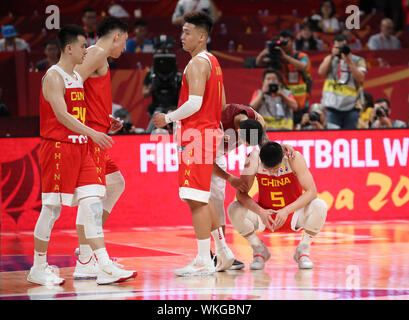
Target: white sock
85 253
306 241
254 240
102 256
218 237
203 247
40 258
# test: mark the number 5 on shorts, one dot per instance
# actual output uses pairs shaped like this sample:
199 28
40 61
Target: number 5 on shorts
278 196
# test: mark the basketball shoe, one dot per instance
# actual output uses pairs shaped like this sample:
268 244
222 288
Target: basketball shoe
302 257
260 256
88 270
45 275
111 273
197 267
225 258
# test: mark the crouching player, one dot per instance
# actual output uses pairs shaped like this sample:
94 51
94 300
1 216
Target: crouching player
282 205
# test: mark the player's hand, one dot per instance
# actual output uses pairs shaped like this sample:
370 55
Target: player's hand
281 217
159 120
266 218
116 125
288 151
237 183
102 139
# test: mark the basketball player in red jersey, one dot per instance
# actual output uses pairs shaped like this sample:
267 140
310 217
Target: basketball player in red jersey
201 102
112 36
69 175
241 124
282 205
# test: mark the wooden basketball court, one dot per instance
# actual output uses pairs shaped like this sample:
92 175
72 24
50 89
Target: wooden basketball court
353 260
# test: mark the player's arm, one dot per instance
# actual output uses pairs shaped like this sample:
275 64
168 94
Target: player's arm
300 168
197 73
260 119
234 181
53 91
247 176
94 60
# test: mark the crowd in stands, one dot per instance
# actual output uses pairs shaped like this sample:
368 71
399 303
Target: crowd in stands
283 95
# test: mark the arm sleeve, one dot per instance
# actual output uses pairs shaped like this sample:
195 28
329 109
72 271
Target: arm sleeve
191 106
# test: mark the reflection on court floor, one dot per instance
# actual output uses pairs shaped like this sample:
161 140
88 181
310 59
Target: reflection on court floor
352 260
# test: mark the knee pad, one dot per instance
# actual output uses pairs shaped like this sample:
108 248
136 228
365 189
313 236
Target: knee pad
318 214
115 185
90 216
219 205
45 223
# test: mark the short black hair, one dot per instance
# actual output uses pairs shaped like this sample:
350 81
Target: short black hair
251 131
107 25
200 19
276 72
88 9
287 33
341 37
52 42
68 34
380 100
140 23
333 9
271 154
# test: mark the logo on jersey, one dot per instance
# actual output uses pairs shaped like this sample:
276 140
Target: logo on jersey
269 182
283 169
78 139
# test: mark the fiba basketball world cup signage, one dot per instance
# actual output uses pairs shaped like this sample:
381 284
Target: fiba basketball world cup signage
360 174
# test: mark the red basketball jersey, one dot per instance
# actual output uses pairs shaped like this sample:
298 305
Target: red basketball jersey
50 127
99 102
209 115
277 191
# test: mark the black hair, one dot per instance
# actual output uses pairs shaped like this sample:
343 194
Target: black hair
277 73
88 9
121 113
200 19
52 42
340 37
68 34
333 9
251 131
271 154
287 33
380 100
140 23
107 25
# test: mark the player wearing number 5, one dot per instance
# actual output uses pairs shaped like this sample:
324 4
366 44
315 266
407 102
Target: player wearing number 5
282 205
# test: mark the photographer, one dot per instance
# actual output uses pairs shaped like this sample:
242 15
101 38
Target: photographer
295 66
380 116
345 75
274 102
163 80
316 119
127 126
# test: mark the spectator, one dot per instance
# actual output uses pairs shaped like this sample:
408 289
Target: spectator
11 42
345 75
366 110
380 116
52 55
295 66
354 42
326 20
128 127
274 102
186 6
139 42
384 40
89 21
306 41
316 119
